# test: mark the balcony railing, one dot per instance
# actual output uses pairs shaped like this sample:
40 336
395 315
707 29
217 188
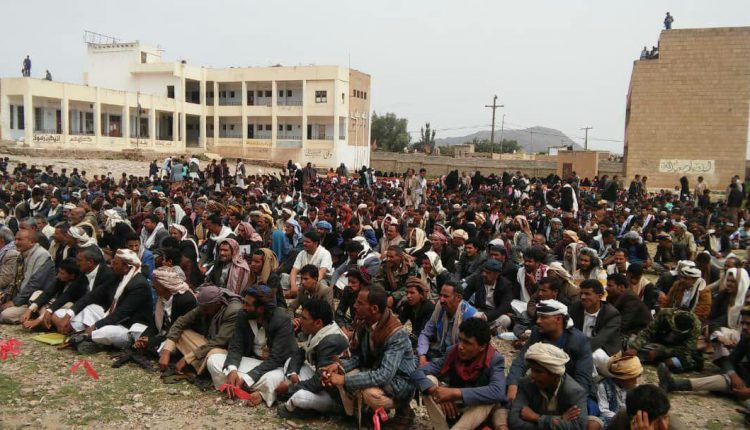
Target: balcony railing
289 102
48 131
231 102
319 137
233 134
289 136
259 103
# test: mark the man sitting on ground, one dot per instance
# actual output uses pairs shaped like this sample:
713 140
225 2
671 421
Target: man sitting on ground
634 314
492 295
262 343
467 386
326 342
418 308
442 330
597 319
549 398
381 358
204 330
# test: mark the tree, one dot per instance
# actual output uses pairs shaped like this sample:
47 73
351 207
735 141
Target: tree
389 132
508 146
427 139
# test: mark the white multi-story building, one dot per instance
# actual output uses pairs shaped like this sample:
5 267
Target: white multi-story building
131 99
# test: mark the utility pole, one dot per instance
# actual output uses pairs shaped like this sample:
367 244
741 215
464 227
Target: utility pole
586 137
494 106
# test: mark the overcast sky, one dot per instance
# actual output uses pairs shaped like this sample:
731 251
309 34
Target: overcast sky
562 64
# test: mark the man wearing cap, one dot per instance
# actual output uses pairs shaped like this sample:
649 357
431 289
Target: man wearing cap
208 327
670 338
690 292
417 309
491 294
441 330
665 258
555 328
466 386
621 376
459 238
683 242
397 268
549 398
262 343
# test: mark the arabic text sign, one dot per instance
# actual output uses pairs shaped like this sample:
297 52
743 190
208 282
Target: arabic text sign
687 166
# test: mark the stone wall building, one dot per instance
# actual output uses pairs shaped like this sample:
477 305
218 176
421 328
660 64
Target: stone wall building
688 110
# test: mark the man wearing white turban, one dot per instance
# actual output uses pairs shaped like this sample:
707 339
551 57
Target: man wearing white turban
554 327
129 309
548 398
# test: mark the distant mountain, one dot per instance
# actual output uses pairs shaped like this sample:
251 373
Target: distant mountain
533 140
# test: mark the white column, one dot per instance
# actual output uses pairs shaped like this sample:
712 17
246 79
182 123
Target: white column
126 121
182 137
336 104
244 112
175 122
304 114
28 117
97 120
202 139
5 124
152 124
216 113
65 108
274 120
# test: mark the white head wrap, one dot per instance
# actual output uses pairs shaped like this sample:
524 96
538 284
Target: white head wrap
548 356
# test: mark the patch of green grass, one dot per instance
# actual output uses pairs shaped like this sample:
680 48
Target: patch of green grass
211 411
9 388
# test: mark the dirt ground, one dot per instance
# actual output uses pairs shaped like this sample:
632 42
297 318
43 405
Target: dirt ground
38 390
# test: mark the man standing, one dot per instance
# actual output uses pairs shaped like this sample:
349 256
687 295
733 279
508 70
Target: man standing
468 384
27 66
668 20
381 357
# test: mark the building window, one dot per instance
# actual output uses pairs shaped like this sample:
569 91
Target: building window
321 96
21 119
170 91
144 57
268 127
231 94
12 117
268 93
281 94
288 127
364 95
288 93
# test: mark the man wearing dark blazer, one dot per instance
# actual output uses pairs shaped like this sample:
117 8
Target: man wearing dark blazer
130 311
634 313
597 319
95 285
325 343
256 368
491 294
